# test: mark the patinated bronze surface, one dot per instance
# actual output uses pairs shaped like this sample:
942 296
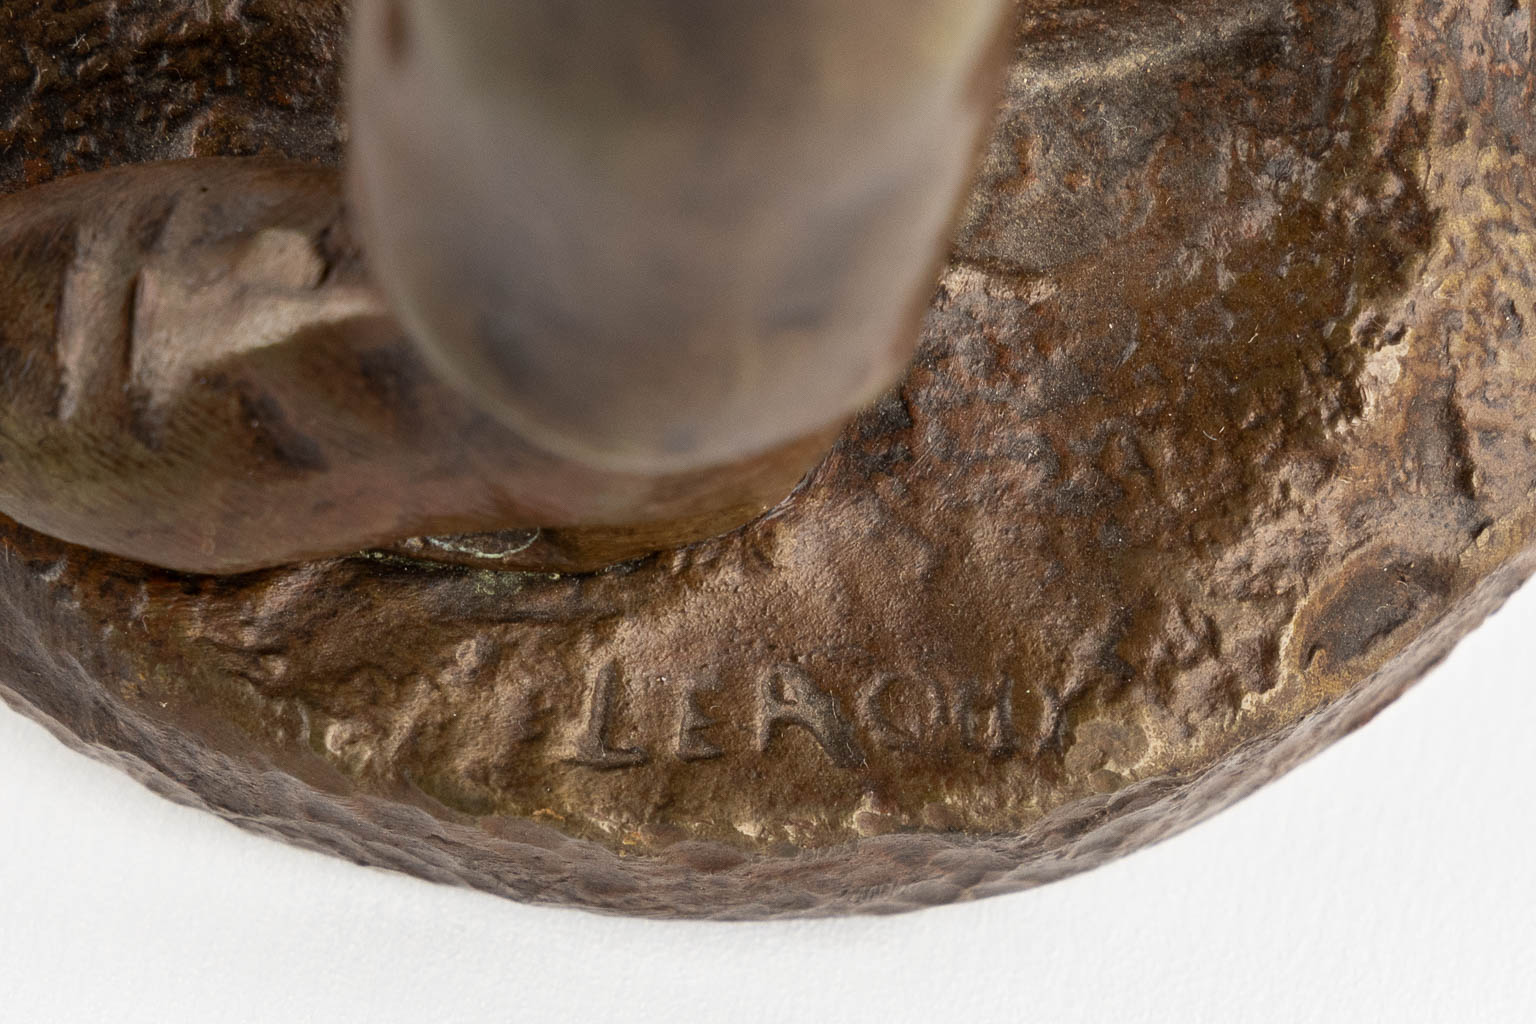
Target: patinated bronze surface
1221 429
647 257
661 235
201 377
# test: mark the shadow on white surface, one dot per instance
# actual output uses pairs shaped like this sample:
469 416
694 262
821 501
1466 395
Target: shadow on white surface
1390 879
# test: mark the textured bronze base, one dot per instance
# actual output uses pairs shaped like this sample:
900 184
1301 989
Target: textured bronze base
1221 431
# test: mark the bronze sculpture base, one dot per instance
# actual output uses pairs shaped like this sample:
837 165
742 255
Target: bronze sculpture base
1221 431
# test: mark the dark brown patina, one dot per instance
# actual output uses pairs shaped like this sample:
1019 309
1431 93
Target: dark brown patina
1221 429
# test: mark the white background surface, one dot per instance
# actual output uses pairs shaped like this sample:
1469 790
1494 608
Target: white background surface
1390 879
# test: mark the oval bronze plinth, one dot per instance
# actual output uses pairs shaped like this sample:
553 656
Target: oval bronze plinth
1222 428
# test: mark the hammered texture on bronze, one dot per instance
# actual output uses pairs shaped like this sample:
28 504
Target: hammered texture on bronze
1222 429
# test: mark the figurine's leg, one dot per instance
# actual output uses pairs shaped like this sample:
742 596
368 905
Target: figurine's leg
660 235
197 373
658 251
